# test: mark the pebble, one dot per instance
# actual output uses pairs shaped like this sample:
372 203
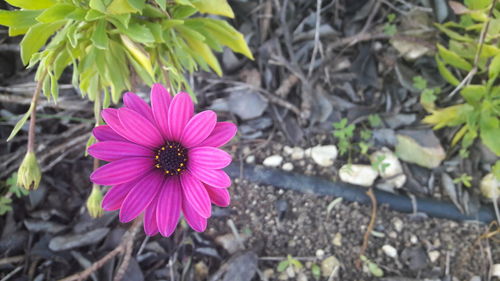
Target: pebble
433 256
390 168
390 251
290 272
337 240
250 159
287 167
398 224
495 270
414 239
302 277
490 186
268 273
320 254
329 265
324 155
393 235
358 174
297 153
287 150
273 161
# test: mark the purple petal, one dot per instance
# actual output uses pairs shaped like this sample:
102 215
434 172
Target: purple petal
105 133
116 150
114 197
150 226
194 192
138 105
222 134
215 178
122 171
219 196
208 157
139 129
140 196
197 222
160 102
169 206
180 111
110 115
198 128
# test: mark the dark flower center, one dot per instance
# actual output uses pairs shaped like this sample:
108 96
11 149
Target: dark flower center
171 158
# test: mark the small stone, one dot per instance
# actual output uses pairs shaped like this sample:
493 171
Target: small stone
287 150
393 235
283 276
490 186
358 174
200 270
337 240
495 270
433 256
390 251
268 273
230 243
420 147
302 276
414 239
273 161
389 167
290 272
324 155
250 159
320 254
287 167
330 265
297 153
398 224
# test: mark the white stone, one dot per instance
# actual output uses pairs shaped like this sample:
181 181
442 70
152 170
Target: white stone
390 168
320 254
324 155
495 270
297 153
390 251
414 239
398 224
287 150
287 167
250 159
273 161
434 256
490 186
363 175
302 277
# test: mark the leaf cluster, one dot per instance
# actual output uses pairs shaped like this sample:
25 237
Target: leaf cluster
106 42
478 112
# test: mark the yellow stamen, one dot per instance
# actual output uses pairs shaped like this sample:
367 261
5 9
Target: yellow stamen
157 166
163 148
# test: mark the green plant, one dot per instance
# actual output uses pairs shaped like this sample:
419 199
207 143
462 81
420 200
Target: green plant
389 27
379 164
12 189
289 262
344 134
464 179
316 271
374 269
473 52
428 96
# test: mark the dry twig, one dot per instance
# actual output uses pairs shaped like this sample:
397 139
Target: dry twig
369 229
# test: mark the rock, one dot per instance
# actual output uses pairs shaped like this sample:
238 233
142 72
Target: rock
241 268
268 273
250 159
389 167
433 256
273 161
200 270
246 104
287 150
420 147
329 265
297 153
230 243
413 239
358 174
398 224
337 240
302 276
409 50
324 155
287 167
495 270
71 241
290 272
320 254
415 258
390 251
490 186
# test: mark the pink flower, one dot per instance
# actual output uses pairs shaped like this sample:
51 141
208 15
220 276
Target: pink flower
164 159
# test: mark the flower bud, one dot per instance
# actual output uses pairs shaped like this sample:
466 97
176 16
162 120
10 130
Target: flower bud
94 202
29 175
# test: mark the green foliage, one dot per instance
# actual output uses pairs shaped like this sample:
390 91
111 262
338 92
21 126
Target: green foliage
389 27
428 96
479 113
108 41
464 179
14 188
5 205
344 134
11 188
379 165
316 271
290 261
374 269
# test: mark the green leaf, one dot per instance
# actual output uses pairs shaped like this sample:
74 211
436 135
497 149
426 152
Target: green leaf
494 67
99 37
122 7
5 205
282 266
452 34
375 270
31 4
453 59
18 21
35 38
97 5
316 271
477 4
55 13
445 73
162 4
93 15
20 123
216 7
474 93
490 133
203 51
182 12
54 87
419 83
135 31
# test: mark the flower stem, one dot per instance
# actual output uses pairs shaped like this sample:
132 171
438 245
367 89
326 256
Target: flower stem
34 102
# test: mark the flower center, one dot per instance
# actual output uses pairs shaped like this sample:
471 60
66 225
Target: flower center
172 158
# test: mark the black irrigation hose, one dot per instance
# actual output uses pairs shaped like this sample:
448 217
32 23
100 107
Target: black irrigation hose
314 185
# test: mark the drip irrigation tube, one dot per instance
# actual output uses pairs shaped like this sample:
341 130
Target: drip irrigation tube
318 186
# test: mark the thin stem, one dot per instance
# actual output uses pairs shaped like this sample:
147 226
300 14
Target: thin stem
34 102
369 229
